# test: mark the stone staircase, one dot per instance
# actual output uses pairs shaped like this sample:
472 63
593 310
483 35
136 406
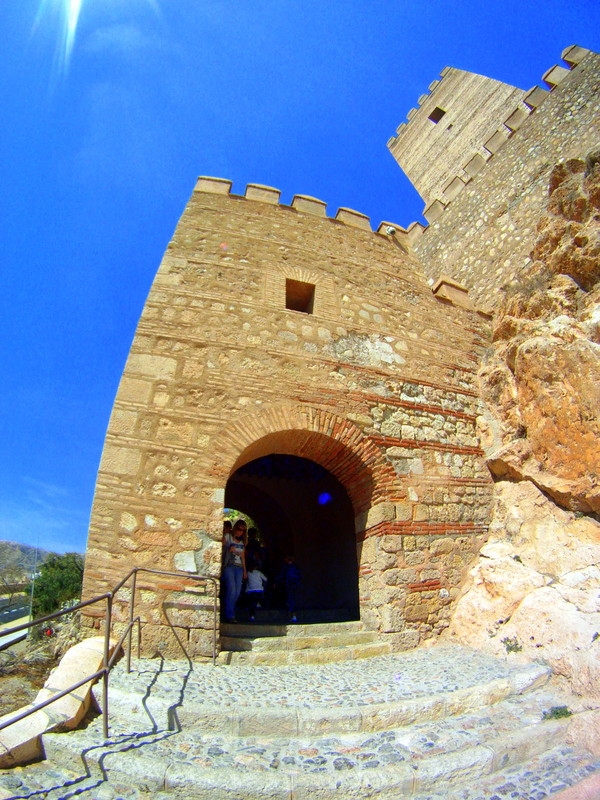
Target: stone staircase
273 644
444 723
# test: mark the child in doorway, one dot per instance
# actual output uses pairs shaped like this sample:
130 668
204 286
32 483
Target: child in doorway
255 589
289 579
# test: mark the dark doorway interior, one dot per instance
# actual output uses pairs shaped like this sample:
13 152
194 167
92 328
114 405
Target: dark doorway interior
302 510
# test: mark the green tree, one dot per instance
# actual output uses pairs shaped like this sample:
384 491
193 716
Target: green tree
13 569
59 582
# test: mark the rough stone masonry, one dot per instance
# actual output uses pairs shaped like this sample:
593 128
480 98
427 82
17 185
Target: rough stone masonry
276 329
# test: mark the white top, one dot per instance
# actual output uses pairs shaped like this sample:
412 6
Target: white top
256 581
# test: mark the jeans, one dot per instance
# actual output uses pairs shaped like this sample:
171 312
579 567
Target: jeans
232 578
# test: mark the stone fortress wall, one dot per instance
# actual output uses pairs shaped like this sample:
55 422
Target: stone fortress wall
482 225
275 329
374 380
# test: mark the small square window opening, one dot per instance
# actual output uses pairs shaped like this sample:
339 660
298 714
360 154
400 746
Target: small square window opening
436 115
299 296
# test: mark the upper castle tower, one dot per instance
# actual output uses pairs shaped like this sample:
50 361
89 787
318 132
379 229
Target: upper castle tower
464 120
450 128
480 153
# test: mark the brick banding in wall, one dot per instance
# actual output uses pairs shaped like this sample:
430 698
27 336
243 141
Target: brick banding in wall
424 586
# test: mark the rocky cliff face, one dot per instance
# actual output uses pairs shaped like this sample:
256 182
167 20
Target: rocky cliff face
541 381
535 589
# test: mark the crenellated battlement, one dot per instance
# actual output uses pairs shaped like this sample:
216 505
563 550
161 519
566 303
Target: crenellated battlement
303 204
460 125
482 225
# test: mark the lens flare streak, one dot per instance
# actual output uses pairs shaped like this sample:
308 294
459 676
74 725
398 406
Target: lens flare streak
66 14
73 10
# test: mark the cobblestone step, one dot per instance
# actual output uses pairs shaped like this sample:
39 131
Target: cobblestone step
444 722
276 644
401 762
289 630
266 656
281 643
544 776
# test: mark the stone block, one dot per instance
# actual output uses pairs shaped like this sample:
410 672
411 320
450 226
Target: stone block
391 544
21 742
383 512
392 619
201 643
353 218
417 613
121 460
399 577
475 165
404 510
497 141
135 390
309 205
574 54
517 118
264 194
406 639
454 188
151 366
434 211
555 76
185 561
213 185
444 545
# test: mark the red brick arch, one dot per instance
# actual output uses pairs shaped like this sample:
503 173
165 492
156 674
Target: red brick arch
334 442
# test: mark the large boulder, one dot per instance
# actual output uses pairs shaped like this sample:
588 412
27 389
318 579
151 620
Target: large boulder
534 592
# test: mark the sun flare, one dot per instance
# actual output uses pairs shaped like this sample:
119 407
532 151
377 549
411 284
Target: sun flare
65 15
72 11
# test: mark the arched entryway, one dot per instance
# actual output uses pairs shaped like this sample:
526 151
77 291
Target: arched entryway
303 511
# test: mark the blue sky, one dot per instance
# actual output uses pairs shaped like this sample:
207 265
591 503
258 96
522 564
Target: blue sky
104 130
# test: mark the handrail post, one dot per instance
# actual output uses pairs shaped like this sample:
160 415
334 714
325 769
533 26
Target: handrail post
214 659
131 604
107 628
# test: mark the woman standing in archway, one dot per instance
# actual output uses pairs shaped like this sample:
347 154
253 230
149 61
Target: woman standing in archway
234 567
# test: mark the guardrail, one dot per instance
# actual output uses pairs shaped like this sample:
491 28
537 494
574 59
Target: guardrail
108 660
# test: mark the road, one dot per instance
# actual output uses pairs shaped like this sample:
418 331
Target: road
11 617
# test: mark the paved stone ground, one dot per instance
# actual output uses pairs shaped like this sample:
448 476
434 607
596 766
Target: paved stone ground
343 693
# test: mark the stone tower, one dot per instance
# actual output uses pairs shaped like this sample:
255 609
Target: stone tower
297 368
456 127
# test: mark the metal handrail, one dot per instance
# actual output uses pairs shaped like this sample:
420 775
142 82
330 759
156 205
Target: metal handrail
108 661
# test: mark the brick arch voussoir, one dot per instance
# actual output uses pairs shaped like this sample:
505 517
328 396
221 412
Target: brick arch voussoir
332 441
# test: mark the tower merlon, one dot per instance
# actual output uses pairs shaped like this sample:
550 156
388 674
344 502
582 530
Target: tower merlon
264 194
446 288
354 218
414 232
434 211
574 54
309 205
497 140
518 117
536 96
555 75
213 185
